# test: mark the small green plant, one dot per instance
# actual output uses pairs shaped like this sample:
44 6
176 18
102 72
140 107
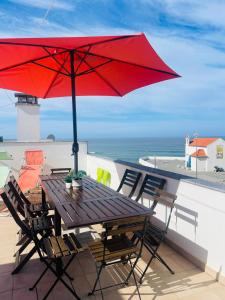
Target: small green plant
68 179
79 175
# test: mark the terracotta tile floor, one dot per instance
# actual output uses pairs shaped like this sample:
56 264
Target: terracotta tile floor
188 282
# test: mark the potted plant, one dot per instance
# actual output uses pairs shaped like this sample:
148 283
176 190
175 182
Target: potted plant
68 181
77 179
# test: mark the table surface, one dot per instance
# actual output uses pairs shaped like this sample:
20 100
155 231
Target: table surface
93 204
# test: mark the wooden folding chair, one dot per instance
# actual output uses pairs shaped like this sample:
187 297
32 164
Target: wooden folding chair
116 247
41 225
155 235
130 178
151 184
54 248
33 209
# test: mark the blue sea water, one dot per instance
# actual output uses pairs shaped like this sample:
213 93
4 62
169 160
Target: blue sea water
131 149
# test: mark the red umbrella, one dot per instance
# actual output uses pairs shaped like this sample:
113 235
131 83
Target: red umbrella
78 66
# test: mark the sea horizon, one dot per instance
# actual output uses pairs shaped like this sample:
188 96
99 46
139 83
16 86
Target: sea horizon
133 148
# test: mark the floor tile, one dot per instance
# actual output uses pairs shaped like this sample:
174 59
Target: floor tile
6 283
6 295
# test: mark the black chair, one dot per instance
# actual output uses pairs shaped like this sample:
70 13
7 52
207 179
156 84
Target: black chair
55 248
150 186
34 210
41 225
116 247
131 179
60 170
155 235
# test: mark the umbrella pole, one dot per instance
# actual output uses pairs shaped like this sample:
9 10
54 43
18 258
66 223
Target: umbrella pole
75 147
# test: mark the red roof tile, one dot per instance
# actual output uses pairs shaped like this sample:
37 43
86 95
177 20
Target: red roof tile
199 153
202 142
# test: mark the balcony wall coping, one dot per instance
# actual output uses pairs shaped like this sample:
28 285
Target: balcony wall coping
176 176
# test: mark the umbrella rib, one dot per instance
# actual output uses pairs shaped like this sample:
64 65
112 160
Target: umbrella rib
28 61
32 45
83 58
63 48
55 59
93 68
104 79
130 63
49 68
107 41
54 78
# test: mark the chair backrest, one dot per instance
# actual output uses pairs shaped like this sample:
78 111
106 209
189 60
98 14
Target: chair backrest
60 170
14 185
131 179
16 200
124 227
150 186
34 157
166 199
12 206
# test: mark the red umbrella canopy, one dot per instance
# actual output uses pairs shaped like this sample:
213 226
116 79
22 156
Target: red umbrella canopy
104 65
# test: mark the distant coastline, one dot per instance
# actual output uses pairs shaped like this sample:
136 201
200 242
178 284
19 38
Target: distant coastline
131 149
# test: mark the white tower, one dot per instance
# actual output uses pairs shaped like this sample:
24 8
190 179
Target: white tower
28 118
187 141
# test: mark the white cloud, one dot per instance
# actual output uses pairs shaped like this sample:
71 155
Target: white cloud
197 11
46 4
198 97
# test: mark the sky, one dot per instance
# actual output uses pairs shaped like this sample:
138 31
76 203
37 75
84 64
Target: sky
189 35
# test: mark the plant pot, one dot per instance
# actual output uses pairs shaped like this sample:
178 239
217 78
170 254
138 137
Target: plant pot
68 185
76 184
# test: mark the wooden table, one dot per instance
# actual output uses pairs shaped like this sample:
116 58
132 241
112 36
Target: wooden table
93 204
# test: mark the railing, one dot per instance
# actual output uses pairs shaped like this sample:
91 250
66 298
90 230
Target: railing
198 222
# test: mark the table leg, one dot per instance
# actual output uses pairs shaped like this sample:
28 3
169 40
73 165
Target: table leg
43 198
58 232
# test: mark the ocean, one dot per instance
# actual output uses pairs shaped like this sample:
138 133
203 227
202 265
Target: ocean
131 149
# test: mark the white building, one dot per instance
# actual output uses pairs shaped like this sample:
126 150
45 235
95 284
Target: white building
205 154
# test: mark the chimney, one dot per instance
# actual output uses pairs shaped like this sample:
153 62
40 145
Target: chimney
28 118
187 140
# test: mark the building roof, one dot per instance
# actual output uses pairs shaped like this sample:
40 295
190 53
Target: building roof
199 153
202 142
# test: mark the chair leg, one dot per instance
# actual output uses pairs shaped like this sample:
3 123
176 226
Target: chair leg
96 281
164 263
59 278
134 265
24 261
155 255
135 280
23 246
68 276
145 270
38 280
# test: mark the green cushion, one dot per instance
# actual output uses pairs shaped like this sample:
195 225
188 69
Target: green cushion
5 156
100 172
106 179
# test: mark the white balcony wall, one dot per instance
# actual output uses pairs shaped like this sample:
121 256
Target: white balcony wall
198 222
57 154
